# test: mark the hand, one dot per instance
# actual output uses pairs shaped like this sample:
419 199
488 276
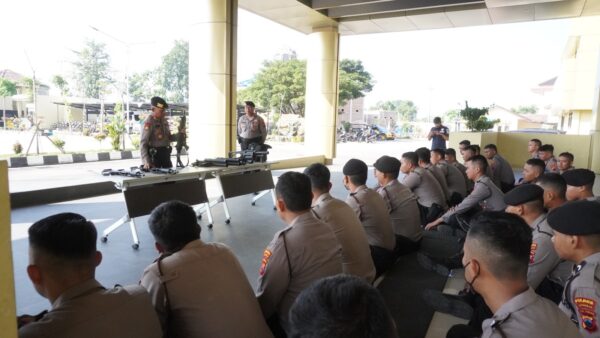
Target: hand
147 165
433 224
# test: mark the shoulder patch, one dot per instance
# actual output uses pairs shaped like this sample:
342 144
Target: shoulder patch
532 252
265 260
587 312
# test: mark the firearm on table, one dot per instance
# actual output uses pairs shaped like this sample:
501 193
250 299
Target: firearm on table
133 172
236 158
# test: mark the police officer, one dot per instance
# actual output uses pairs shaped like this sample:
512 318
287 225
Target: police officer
580 184
156 137
547 273
402 205
577 239
251 127
457 182
424 156
372 212
555 190
504 176
305 251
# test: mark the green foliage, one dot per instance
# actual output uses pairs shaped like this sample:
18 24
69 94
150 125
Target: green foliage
58 143
174 72
451 115
279 86
7 87
62 84
92 69
405 109
354 80
531 109
100 137
476 119
346 125
135 141
142 86
17 148
116 128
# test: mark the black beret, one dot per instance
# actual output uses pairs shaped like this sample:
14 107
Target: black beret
158 102
579 177
250 103
387 164
523 194
354 167
576 218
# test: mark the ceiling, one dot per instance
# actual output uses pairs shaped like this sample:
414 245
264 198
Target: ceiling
381 16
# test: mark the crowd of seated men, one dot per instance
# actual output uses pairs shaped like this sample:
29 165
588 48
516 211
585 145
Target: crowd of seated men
530 251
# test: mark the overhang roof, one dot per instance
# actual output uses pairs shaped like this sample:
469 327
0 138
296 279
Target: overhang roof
381 16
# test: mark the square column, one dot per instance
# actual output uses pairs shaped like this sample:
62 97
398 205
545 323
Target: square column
213 80
322 92
7 280
595 132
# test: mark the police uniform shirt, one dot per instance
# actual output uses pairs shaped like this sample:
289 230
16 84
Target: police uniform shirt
455 179
528 315
298 255
156 133
403 209
503 170
426 187
440 176
463 170
91 311
372 212
582 294
252 127
356 255
207 287
543 259
485 194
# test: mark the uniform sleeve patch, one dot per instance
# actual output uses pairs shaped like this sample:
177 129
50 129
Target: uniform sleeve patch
532 253
587 312
264 262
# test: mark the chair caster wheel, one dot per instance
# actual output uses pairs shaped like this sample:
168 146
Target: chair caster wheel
275 208
210 226
103 239
253 203
199 216
135 246
227 221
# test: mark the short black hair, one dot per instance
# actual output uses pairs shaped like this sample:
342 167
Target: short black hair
476 148
295 190
423 154
471 148
412 157
554 182
465 143
338 307
440 152
66 236
319 175
506 240
437 119
538 164
547 147
491 146
451 152
536 141
568 155
173 225
479 161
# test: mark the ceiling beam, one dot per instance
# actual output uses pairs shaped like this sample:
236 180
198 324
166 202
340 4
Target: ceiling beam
325 4
394 6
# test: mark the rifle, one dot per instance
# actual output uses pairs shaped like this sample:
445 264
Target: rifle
181 142
134 172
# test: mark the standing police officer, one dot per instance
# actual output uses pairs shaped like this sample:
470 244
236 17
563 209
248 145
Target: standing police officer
156 137
251 127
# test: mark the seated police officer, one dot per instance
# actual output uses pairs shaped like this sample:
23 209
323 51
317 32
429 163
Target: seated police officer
155 142
251 128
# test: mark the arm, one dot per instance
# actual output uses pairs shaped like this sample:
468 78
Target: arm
273 279
151 282
445 134
480 193
145 144
542 259
263 130
430 135
412 181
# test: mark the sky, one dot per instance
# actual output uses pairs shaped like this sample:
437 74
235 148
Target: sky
437 69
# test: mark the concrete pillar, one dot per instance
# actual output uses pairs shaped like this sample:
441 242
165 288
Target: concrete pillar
7 280
213 81
595 131
322 92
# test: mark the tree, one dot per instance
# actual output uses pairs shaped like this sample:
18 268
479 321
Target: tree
476 119
63 85
174 72
142 86
531 109
279 86
7 88
405 109
354 80
92 69
451 115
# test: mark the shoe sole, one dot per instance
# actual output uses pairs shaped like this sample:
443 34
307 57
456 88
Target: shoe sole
428 264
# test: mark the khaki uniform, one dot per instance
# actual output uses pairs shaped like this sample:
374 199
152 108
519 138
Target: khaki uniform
543 259
356 255
440 176
528 315
485 194
156 133
298 255
207 287
581 296
91 311
403 209
252 127
372 212
426 187
463 170
455 179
